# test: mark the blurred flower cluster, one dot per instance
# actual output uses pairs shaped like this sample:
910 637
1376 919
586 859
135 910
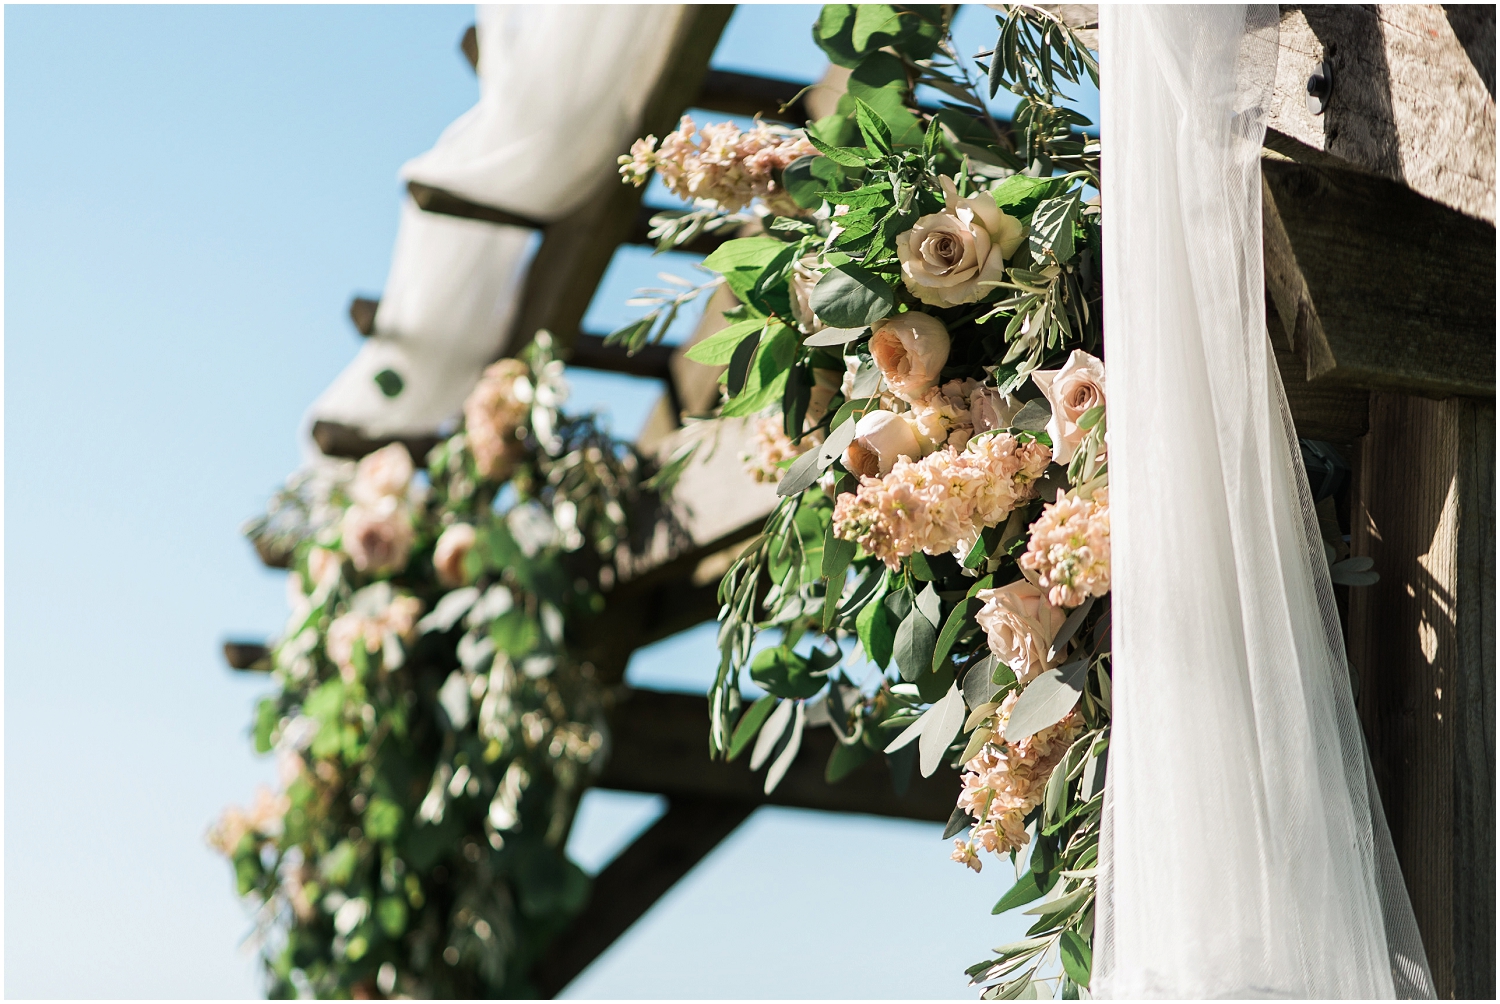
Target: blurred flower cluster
431 723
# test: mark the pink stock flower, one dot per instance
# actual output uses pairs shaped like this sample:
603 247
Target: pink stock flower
497 406
1069 548
721 163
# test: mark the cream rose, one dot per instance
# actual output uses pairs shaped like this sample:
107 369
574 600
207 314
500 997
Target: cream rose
387 471
911 350
801 282
1071 391
1020 624
452 548
879 439
378 536
947 256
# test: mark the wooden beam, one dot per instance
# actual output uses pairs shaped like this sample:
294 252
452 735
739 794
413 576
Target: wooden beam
469 46
440 200
746 94
576 250
659 743
633 882
1422 643
1380 287
590 352
247 655
362 314
335 439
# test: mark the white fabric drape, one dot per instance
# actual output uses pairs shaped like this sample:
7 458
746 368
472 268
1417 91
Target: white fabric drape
1244 850
561 94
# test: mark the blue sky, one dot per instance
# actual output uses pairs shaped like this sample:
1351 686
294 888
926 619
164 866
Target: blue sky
193 194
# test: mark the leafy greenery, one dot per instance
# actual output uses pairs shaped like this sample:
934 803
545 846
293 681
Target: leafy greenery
431 778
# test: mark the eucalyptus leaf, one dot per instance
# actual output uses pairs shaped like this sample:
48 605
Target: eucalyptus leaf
931 605
836 336
957 823
1033 416
1046 700
852 296
947 718
783 762
1069 629
979 687
771 733
915 640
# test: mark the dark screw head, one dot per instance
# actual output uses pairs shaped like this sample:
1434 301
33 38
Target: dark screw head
1319 87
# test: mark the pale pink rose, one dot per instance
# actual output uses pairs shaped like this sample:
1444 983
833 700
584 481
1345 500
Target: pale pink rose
324 567
493 411
377 616
801 282
1071 391
880 439
911 350
990 410
1020 624
387 471
378 536
947 257
448 557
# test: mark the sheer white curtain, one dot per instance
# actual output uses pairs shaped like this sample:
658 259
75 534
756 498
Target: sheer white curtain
1245 852
562 89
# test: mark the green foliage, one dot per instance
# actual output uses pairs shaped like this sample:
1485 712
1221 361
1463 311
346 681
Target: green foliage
432 763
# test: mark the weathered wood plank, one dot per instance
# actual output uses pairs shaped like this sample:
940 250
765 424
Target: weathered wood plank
1409 101
1382 288
659 743
1422 641
362 314
631 884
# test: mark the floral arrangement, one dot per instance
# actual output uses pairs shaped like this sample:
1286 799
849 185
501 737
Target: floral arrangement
431 725
917 346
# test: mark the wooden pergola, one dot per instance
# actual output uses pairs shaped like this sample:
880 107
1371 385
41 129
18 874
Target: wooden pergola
1380 266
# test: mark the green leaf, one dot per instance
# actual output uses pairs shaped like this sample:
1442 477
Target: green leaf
828 337
1046 700
958 618
750 722
382 818
957 823
1028 887
876 133
806 468
915 640
854 410
931 605
1019 194
390 913
786 674
947 719
979 685
876 196
851 295
806 178
747 263
874 19
837 555
266 718
389 382
1077 960
845 757
844 156
718 348
1090 418
879 81
1051 237
874 627
768 373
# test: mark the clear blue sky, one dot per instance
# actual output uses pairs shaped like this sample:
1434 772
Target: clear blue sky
192 196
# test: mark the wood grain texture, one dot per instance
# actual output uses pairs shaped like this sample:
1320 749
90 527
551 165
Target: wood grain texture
1409 102
1422 642
1385 289
659 743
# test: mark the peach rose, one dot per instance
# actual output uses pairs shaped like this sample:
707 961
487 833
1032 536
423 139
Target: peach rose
946 257
911 350
879 439
1071 391
448 558
387 471
1020 624
378 536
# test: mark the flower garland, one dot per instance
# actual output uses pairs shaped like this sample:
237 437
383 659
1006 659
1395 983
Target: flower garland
431 727
918 346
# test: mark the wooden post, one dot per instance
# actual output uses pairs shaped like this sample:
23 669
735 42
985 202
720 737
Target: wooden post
1422 641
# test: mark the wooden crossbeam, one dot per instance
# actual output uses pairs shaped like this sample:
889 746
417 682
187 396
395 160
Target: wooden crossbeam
631 884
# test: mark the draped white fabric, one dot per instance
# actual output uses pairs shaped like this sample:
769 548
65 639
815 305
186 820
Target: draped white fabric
1245 851
561 94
